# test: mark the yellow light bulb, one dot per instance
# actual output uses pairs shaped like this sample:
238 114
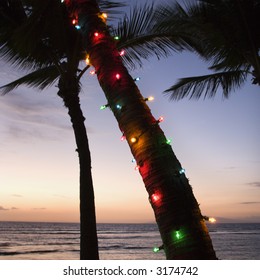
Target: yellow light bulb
212 220
103 16
87 60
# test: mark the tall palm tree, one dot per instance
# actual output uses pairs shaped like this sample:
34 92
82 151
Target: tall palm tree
38 35
181 225
177 212
228 32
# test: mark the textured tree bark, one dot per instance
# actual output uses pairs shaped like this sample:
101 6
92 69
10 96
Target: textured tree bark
182 228
68 91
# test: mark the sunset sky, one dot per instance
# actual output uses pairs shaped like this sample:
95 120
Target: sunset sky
216 141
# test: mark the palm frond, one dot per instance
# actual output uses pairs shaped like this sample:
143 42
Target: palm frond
140 38
11 12
110 6
181 20
226 66
53 39
12 15
207 85
220 31
41 79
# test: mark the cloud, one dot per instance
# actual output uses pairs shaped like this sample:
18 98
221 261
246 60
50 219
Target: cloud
245 219
250 202
231 167
61 196
25 116
7 209
17 195
254 184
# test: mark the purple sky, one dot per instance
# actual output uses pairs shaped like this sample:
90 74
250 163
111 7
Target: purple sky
217 142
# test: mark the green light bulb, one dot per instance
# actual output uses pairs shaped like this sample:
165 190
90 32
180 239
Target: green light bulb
156 249
182 171
103 107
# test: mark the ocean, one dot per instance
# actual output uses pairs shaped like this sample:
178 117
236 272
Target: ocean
60 241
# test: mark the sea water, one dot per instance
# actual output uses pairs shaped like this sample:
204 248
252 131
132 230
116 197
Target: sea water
60 241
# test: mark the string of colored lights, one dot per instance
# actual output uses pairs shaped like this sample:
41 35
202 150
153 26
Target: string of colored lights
156 197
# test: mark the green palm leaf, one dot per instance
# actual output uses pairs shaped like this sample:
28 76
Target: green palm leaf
109 6
207 85
139 35
56 38
39 79
225 33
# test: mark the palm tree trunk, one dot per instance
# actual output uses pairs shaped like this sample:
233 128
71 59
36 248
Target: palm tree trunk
182 228
68 86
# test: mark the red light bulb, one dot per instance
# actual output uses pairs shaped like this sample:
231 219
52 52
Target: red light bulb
161 119
137 167
155 197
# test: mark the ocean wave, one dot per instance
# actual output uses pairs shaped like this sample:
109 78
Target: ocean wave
5 244
29 252
124 247
121 237
237 232
44 232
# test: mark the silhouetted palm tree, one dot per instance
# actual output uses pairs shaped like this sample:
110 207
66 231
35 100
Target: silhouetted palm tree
177 213
228 35
38 36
